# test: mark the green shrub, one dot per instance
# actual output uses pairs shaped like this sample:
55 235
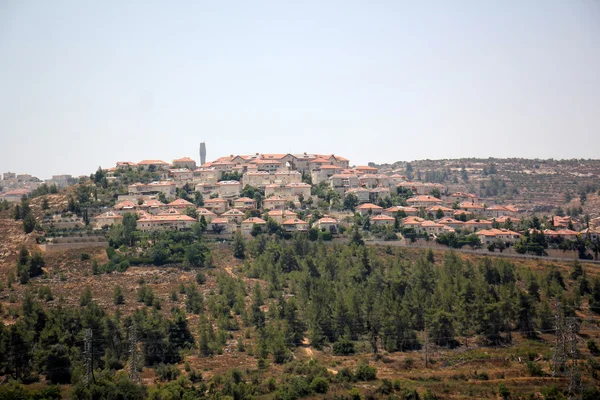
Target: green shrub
534 369
365 373
343 347
319 385
167 372
593 347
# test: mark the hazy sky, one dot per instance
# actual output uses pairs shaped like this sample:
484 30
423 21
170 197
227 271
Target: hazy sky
88 83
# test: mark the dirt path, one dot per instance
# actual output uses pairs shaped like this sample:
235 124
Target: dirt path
311 354
229 270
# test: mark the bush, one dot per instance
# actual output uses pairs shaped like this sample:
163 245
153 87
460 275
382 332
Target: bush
319 385
365 373
200 278
343 347
503 391
167 372
534 369
593 347
386 387
84 256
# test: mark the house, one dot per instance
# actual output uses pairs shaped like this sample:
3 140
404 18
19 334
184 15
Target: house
297 189
207 214
167 221
248 224
185 162
565 234
591 234
152 164
343 182
561 222
257 179
14 196
181 204
168 188
229 189
244 203
451 222
266 165
431 228
326 224
460 197
280 216
477 224
379 193
467 214
324 172
497 210
107 219
369 209
382 220
217 205
220 225
489 236
470 206
273 203
234 216
207 189
152 206
368 180
412 222
421 188
363 195
124 206
424 201
295 224
181 174
207 175
284 177
125 165
433 210
365 169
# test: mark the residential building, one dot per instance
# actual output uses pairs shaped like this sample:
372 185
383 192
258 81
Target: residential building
229 189
295 224
149 164
207 189
497 210
365 169
363 195
248 225
424 201
566 234
176 222
234 216
257 179
431 228
433 210
343 182
393 211
273 203
244 203
379 193
470 206
412 222
382 220
107 219
217 205
168 188
207 175
280 216
489 236
369 209
181 204
207 214
477 224
326 224
451 222
284 177
181 175
14 196
324 172
185 162
152 206
220 225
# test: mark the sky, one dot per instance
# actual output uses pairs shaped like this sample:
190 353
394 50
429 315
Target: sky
88 83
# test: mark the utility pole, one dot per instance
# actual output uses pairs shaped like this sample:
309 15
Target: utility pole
426 348
559 356
88 351
134 374
575 384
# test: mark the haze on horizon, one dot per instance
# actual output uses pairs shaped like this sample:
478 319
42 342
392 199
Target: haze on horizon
84 84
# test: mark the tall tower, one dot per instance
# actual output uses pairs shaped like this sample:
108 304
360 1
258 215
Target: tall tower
202 153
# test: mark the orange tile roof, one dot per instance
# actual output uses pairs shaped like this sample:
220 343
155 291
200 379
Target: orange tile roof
124 204
254 220
184 159
294 221
180 203
166 218
152 162
368 206
219 221
382 218
215 200
109 214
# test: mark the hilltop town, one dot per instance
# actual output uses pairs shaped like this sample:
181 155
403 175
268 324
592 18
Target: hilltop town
493 204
